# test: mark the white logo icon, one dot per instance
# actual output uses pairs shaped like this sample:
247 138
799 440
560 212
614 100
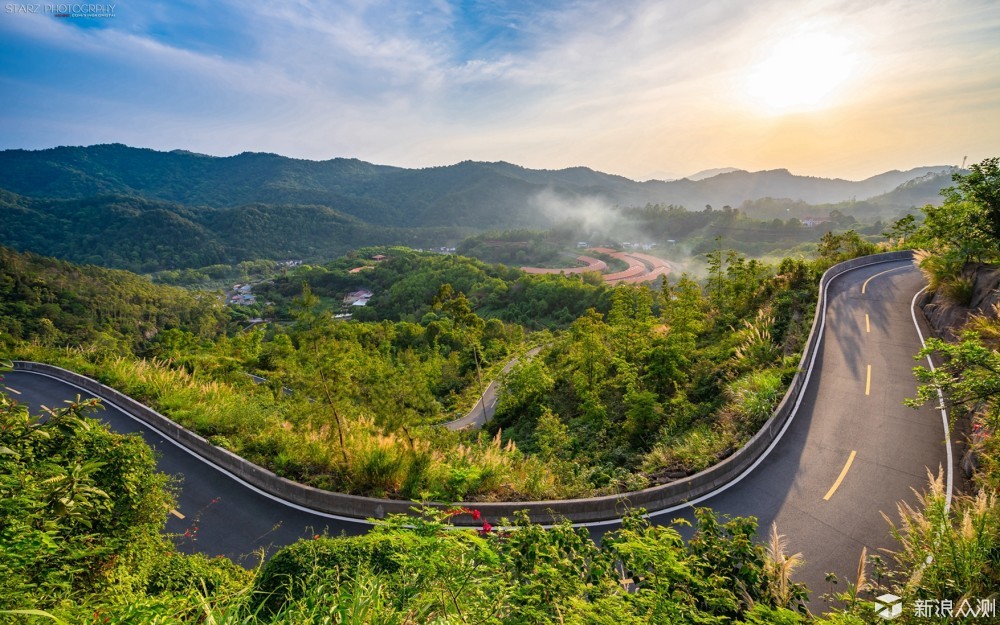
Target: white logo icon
888 606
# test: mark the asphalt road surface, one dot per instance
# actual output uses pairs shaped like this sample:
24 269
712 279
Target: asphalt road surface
852 450
216 514
850 453
487 404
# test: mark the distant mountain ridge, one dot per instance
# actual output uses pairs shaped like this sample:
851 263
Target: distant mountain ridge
473 194
145 210
708 173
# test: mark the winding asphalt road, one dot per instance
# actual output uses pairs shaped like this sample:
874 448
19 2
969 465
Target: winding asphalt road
483 411
852 450
850 453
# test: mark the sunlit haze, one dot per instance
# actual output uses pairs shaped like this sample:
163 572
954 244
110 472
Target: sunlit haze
805 71
642 89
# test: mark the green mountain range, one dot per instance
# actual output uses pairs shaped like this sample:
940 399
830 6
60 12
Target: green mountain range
144 210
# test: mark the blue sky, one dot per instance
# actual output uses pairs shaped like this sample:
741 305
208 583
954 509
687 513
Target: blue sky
637 88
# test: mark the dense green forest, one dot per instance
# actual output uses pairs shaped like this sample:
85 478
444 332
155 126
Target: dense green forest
150 211
83 508
58 303
406 282
477 194
146 235
663 385
633 385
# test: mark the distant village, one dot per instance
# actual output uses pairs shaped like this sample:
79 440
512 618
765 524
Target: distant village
241 295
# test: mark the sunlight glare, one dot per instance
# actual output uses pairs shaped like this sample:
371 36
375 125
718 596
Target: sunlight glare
802 72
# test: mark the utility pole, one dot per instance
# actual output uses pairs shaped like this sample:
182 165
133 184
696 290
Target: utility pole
479 374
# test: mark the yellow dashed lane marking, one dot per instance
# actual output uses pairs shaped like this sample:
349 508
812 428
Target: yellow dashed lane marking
868 325
840 478
868 382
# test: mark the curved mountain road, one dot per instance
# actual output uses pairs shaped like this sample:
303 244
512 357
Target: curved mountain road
483 411
850 453
852 449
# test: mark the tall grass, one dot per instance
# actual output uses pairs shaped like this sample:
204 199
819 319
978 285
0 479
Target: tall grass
696 449
949 553
959 289
752 399
298 439
937 268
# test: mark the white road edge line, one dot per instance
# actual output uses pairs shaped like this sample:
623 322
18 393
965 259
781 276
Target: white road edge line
944 411
688 504
865 284
229 474
777 439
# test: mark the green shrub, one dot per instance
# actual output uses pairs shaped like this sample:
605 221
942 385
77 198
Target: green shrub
752 399
293 565
179 573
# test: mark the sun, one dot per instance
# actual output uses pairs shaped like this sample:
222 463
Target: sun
802 72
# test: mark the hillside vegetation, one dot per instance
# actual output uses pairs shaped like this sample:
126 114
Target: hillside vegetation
58 303
80 542
634 388
141 234
641 386
147 211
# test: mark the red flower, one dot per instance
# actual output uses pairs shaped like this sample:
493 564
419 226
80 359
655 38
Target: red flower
475 515
487 528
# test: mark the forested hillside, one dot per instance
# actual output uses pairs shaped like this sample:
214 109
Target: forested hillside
58 303
698 365
140 234
471 191
145 210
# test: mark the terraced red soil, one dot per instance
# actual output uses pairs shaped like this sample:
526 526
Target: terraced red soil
641 267
656 267
593 264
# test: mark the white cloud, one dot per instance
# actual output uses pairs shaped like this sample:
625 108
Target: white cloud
624 87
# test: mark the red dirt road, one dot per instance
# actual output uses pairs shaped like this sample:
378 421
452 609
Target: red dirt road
641 267
593 264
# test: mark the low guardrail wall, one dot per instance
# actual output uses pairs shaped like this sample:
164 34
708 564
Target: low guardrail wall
577 510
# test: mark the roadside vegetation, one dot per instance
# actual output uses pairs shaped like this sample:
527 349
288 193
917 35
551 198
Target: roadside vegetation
80 542
666 383
641 387
635 389
949 555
